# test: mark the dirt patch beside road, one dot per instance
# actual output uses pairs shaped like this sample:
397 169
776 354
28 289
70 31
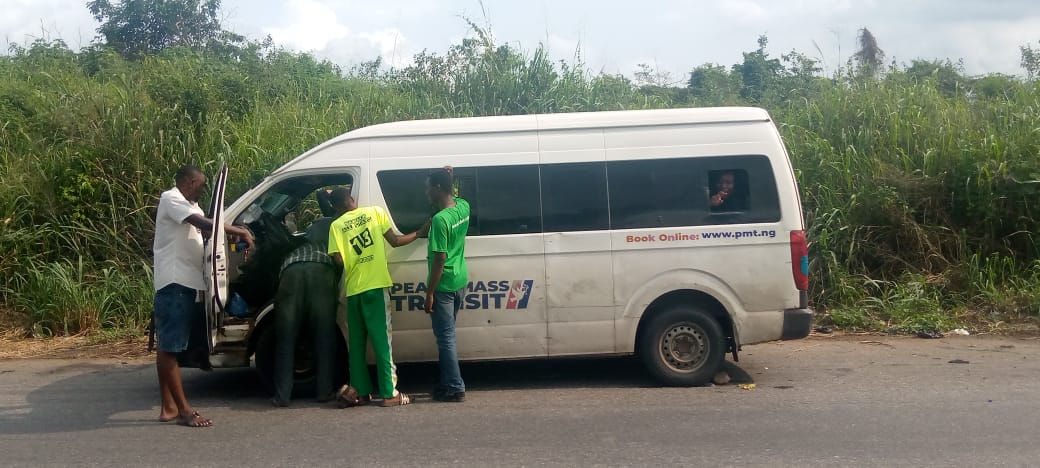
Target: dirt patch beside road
72 347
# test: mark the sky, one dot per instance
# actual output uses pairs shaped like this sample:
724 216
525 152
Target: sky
611 36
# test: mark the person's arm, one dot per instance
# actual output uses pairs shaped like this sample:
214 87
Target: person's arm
206 225
324 202
402 240
439 250
436 271
399 240
334 247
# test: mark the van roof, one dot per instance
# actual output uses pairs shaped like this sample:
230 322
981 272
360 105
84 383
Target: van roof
538 122
571 120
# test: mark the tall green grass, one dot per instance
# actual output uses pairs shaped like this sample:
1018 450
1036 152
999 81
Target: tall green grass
921 201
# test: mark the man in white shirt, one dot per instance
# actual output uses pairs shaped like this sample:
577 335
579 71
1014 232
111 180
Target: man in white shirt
179 227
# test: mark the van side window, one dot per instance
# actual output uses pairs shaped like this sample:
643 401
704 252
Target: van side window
753 197
574 197
507 201
656 193
405 195
686 192
502 199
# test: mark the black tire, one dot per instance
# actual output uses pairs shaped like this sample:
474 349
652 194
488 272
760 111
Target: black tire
304 373
682 346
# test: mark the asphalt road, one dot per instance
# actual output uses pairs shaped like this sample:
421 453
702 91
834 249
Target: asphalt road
852 401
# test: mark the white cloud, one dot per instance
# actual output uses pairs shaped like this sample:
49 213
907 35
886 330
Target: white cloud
391 44
744 11
311 26
562 47
22 21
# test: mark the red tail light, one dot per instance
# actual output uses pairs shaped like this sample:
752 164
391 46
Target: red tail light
800 260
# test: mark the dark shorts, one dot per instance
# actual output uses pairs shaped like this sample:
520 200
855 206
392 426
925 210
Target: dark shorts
174 310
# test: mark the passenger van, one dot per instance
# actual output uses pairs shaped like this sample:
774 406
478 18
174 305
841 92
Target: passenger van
591 234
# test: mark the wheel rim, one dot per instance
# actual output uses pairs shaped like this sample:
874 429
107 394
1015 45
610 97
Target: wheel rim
684 347
304 365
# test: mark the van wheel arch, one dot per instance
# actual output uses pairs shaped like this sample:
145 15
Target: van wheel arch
699 299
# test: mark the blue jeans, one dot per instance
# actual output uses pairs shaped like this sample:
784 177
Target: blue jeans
446 307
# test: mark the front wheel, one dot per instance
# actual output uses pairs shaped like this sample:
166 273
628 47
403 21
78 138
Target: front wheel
682 346
303 369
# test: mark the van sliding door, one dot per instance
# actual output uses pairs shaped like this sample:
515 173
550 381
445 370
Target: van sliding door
578 267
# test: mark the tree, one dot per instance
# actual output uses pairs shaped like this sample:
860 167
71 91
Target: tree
1031 61
141 27
759 72
869 57
650 75
714 84
948 76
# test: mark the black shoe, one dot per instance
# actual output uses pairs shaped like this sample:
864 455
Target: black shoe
449 397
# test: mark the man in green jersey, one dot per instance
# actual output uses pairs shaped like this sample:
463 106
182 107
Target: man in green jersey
448 278
356 242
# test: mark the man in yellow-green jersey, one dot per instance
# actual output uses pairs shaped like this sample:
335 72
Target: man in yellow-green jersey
356 242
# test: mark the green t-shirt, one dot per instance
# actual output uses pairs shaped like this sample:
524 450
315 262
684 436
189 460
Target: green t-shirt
358 237
448 234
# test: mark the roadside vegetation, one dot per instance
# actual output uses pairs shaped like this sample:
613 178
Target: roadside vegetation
920 183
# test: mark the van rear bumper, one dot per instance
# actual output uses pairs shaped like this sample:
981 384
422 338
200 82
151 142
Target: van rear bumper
797 323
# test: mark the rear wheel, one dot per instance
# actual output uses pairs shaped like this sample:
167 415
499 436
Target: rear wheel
682 346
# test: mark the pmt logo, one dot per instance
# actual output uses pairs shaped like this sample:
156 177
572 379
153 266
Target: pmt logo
505 294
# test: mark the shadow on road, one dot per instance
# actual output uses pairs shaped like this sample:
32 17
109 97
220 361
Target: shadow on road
95 396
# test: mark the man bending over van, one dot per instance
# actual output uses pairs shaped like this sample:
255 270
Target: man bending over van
447 279
356 242
177 248
307 294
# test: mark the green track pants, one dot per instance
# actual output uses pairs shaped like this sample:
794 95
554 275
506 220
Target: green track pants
368 318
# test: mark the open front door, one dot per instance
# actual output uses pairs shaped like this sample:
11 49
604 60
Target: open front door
216 260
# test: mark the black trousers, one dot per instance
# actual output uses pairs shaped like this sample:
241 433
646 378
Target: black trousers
307 294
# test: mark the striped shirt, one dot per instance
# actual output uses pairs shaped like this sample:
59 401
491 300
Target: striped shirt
315 250
307 253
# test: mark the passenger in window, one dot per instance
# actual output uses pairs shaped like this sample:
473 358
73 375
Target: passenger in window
447 279
726 196
356 242
307 294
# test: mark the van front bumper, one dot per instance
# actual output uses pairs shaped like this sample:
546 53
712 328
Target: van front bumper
797 323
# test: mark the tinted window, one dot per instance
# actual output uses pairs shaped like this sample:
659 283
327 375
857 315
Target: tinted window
503 199
405 195
661 193
574 197
507 200
680 192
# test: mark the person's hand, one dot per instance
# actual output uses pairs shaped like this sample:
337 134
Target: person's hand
241 234
424 230
429 302
449 170
718 198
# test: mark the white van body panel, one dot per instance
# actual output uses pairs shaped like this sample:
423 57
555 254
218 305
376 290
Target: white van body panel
588 290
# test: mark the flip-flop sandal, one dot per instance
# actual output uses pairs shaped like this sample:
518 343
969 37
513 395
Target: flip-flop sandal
348 397
196 420
400 400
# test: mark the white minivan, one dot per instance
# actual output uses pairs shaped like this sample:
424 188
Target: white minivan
596 233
